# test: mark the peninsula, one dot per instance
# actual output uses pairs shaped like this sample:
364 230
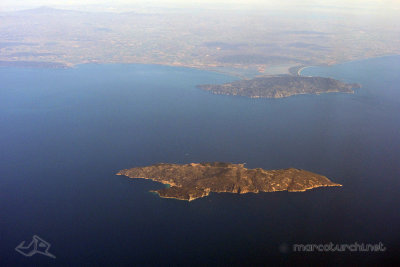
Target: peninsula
280 86
196 180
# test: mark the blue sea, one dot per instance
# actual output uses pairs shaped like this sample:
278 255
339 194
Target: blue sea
66 132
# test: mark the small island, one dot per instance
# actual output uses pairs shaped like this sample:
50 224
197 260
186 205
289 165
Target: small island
280 86
196 180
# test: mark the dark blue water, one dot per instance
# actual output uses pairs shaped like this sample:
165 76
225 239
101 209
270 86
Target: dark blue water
65 133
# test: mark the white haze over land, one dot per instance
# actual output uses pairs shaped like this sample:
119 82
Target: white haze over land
205 34
377 7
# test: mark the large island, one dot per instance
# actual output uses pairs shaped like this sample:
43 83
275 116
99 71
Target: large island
279 86
196 180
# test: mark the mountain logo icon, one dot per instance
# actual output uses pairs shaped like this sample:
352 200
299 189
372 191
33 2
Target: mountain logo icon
36 246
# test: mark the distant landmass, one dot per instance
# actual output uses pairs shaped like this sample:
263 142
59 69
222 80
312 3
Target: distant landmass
196 180
258 59
280 86
239 45
33 64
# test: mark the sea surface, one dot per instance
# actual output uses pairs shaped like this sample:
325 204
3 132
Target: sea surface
66 132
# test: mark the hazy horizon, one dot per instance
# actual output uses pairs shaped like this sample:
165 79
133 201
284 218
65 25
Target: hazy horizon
372 6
